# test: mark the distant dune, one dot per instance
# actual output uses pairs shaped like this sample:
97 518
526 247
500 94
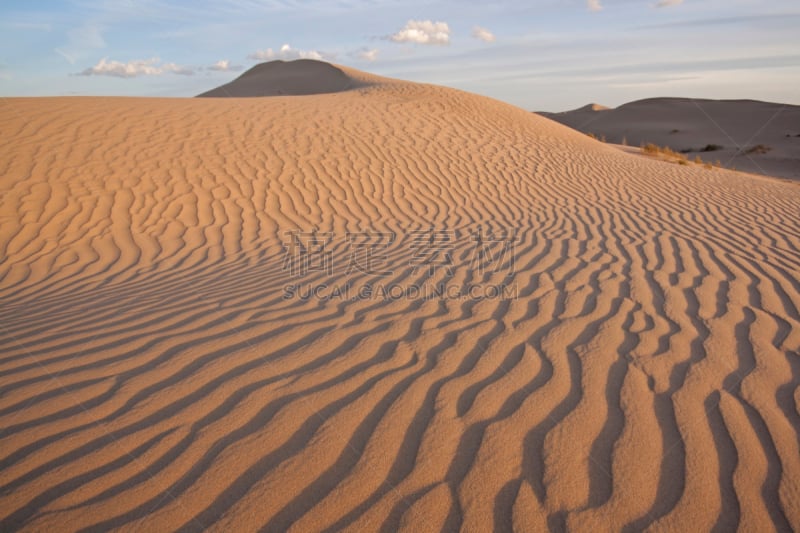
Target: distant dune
758 137
171 357
276 78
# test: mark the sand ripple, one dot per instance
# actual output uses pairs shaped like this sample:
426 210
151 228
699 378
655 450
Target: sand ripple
154 376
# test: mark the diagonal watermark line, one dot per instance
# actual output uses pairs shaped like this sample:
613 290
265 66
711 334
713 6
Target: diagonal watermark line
587 122
107 433
767 123
739 149
62 386
26 350
167 493
344 438
722 389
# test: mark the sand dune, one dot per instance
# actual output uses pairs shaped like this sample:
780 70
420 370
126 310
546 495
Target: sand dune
276 78
156 375
758 137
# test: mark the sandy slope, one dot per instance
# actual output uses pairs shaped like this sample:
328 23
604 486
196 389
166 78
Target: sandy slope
154 377
691 125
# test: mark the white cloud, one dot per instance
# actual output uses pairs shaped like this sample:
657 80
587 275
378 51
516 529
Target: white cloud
70 59
668 3
594 5
132 69
223 65
423 32
483 34
367 54
286 52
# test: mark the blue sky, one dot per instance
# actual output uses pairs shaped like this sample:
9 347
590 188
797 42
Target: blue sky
539 54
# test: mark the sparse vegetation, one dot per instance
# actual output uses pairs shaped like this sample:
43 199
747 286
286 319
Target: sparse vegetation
758 149
650 149
669 154
653 149
711 148
706 148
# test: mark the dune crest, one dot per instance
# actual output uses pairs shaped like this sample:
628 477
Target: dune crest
642 370
590 107
286 78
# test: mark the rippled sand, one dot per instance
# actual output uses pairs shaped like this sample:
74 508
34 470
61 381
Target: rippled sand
156 375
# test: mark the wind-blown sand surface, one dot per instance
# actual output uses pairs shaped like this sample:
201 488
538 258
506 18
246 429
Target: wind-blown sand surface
155 377
752 136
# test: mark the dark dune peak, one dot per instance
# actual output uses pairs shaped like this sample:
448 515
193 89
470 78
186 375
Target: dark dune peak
277 78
